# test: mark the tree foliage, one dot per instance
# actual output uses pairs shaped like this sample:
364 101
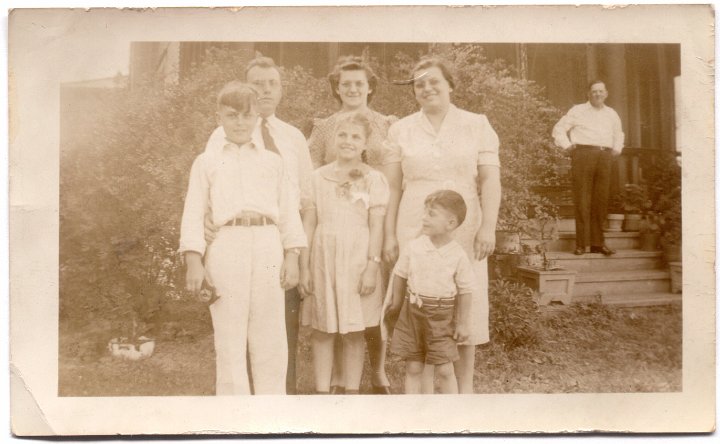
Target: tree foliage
123 183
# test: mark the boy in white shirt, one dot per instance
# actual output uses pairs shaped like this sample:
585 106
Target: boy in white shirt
246 191
434 277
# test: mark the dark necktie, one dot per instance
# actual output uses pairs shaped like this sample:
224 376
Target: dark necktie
267 138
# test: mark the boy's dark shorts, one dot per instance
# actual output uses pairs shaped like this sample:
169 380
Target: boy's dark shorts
425 334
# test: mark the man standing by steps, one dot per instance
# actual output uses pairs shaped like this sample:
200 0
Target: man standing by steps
591 135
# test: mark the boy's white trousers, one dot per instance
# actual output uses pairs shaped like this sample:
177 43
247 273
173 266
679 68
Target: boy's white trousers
243 263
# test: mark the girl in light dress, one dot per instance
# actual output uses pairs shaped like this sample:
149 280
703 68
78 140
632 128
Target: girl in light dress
341 270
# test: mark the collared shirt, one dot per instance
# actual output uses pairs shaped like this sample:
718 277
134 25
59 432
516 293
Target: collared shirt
293 149
436 272
231 179
586 125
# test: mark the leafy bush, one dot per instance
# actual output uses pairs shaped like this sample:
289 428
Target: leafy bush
662 174
514 314
122 186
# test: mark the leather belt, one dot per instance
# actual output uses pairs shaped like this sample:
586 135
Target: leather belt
429 301
604 148
249 221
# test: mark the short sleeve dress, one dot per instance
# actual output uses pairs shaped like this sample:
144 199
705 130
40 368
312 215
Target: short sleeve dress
340 248
321 138
447 159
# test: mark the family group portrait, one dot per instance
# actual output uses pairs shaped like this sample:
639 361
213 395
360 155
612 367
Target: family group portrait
364 218
361 220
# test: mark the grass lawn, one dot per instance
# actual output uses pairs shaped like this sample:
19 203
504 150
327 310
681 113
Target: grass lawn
584 348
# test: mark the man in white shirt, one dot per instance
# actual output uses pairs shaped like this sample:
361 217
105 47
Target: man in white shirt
287 141
591 134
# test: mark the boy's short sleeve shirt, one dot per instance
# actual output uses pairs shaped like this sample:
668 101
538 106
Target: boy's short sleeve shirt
436 272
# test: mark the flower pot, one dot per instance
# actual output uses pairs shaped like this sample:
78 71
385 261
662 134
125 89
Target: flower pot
133 351
649 241
534 260
507 242
676 277
632 222
614 222
550 285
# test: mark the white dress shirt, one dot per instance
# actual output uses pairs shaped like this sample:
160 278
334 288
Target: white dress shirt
586 125
228 179
292 146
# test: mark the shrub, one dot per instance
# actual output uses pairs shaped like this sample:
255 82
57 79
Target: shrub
513 314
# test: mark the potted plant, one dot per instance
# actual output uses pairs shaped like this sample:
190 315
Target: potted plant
635 204
540 231
670 221
551 282
650 232
616 214
509 225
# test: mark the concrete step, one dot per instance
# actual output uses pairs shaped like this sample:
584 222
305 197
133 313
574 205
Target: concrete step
566 224
632 299
631 282
616 241
595 262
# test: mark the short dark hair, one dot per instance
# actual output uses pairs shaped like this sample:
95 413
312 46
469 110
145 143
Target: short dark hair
262 62
237 95
431 61
351 63
595 82
449 200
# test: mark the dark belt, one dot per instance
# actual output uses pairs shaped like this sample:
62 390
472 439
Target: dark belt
595 147
249 221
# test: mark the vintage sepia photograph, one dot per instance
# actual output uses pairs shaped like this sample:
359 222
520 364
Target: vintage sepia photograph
362 219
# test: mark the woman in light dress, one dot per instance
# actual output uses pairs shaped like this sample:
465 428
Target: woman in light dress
444 147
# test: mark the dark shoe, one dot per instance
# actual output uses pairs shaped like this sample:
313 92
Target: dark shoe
381 390
579 251
337 390
602 250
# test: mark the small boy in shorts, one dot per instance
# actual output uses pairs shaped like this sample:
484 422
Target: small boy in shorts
434 279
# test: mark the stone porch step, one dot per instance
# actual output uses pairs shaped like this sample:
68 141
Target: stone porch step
633 282
632 299
614 240
595 262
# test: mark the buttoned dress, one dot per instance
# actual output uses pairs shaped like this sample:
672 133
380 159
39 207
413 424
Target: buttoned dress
446 159
339 251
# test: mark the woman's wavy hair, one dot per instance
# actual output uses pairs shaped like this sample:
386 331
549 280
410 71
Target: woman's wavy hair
430 62
352 63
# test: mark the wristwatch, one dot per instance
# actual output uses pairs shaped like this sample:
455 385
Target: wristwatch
375 259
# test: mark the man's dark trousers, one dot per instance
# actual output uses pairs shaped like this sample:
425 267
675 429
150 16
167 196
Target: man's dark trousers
591 169
292 325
